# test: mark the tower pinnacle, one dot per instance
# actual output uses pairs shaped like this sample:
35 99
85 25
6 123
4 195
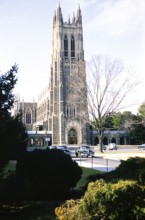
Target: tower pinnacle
59 14
79 15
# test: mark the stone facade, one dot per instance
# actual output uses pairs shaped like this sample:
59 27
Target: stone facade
62 107
68 111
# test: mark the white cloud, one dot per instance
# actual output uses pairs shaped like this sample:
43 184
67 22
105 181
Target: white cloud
119 17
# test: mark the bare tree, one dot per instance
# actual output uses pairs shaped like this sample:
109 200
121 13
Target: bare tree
108 86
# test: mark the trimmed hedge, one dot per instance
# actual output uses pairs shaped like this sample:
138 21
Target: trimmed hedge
46 174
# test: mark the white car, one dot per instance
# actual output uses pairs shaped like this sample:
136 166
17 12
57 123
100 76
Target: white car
112 146
142 146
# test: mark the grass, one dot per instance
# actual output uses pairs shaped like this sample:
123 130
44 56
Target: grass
86 172
37 210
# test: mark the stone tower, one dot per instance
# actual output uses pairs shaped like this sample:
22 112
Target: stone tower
68 110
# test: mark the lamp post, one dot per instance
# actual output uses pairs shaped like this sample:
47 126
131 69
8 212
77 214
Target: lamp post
45 138
36 139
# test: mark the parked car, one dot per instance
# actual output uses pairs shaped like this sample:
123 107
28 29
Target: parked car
142 146
73 151
52 147
64 148
104 147
112 146
84 151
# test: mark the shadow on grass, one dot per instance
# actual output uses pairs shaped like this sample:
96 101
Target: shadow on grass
30 211
40 210
132 169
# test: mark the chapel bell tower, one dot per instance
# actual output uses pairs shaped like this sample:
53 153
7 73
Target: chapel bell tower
68 109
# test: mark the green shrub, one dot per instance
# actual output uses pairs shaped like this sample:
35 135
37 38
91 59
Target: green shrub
123 200
46 174
133 168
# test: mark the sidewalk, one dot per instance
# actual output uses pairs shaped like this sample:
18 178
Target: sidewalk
95 166
115 155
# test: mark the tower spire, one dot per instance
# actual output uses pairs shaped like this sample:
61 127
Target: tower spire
79 15
73 18
59 14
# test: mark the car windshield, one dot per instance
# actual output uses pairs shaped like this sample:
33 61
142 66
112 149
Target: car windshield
85 147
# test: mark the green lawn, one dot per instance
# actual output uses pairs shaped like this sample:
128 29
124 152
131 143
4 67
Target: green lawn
37 210
86 172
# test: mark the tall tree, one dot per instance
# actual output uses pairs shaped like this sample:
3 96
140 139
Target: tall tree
125 119
7 84
141 110
136 133
12 131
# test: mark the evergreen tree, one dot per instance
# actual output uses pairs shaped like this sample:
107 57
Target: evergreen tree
12 131
137 134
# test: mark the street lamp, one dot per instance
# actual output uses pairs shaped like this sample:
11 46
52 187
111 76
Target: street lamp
36 139
46 139
36 142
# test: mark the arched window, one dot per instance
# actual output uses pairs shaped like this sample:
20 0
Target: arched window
72 47
67 111
28 117
74 111
65 46
105 141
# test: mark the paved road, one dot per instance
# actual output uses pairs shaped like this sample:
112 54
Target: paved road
109 160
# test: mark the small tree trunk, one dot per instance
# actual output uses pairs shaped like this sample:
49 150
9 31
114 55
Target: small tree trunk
100 137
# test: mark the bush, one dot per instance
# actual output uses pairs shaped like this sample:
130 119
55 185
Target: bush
133 168
123 200
46 174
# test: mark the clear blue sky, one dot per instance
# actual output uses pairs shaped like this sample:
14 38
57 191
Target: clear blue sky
112 27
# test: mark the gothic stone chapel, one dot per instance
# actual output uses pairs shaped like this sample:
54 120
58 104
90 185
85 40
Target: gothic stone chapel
65 115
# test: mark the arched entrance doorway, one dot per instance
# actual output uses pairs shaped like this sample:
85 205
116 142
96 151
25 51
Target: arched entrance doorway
113 140
96 141
72 136
122 140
